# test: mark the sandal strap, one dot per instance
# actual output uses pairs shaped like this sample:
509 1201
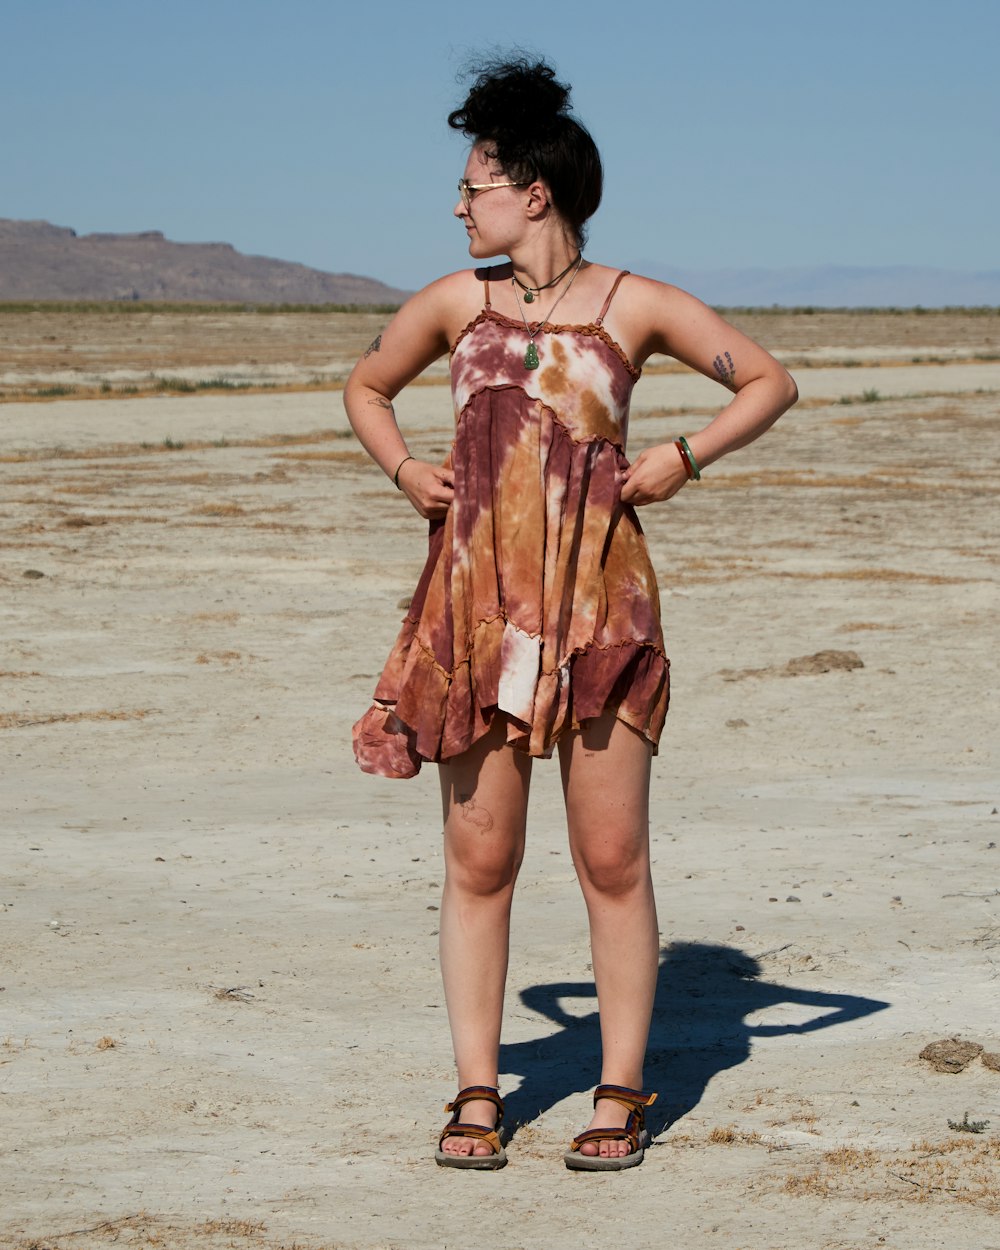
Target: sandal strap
628 1134
479 1131
477 1093
634 1099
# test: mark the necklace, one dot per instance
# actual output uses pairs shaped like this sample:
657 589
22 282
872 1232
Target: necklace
532 292
531 354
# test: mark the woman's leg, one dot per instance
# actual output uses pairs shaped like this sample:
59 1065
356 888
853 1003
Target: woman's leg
605 774
485 798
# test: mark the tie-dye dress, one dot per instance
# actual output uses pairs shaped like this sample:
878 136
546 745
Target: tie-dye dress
538 599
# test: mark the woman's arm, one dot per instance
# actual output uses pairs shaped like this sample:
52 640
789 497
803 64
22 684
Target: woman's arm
665 319
416 336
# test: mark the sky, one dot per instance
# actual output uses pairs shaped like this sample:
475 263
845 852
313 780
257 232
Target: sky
771 133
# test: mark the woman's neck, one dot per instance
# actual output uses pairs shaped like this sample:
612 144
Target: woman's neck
536 264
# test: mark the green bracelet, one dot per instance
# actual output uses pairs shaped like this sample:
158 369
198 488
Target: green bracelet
395 476
690 455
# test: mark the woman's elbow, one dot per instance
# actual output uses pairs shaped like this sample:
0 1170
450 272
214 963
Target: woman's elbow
787 390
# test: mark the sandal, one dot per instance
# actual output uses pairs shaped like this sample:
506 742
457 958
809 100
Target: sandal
634 1132
491 1136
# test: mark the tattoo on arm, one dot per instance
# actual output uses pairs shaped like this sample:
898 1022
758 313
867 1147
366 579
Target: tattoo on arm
381 402
725 370
373 346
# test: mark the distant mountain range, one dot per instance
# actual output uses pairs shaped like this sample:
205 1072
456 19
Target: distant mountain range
39 261
835 286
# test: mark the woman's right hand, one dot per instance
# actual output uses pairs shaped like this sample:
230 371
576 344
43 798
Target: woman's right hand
429 487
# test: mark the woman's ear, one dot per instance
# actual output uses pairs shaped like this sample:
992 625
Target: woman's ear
538 199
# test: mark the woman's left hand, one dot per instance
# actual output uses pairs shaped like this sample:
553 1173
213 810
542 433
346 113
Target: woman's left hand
654 475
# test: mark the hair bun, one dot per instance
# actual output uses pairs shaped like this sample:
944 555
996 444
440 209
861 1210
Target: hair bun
510 96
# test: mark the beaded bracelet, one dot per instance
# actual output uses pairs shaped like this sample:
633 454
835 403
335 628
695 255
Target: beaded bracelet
395 476
687 456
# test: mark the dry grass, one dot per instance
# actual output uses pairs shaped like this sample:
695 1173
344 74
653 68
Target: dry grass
882 481
958 1169
874 575
144 1230
121 451
857 626
218 510
23 720
730 1135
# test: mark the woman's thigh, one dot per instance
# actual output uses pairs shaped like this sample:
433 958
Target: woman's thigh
484 796
605 769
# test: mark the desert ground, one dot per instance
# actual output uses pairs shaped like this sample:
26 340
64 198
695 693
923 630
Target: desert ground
221 1023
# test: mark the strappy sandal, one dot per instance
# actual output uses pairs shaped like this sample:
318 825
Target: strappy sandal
491 1136
634 1132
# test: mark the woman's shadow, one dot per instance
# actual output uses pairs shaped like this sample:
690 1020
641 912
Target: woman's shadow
704 995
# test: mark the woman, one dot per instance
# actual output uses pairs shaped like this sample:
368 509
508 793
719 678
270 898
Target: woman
535 624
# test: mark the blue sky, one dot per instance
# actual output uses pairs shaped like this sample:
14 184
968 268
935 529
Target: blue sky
768 133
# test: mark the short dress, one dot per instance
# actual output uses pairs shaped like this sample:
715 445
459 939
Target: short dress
538 599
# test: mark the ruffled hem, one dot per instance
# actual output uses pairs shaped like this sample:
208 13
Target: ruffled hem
436 716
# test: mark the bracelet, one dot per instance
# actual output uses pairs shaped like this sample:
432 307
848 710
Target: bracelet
687 455
395 476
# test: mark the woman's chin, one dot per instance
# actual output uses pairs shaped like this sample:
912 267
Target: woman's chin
478 252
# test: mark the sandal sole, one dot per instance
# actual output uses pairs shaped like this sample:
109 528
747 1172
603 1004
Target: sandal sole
472 1163
577 1162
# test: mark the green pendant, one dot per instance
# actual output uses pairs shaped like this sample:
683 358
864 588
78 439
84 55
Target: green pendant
531 357
528 297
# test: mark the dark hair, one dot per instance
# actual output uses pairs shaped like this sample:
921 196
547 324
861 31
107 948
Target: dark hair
520 112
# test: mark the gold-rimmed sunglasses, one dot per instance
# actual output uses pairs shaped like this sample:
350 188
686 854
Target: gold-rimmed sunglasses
467 189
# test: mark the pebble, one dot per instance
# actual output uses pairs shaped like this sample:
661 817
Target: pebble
828 894
793 898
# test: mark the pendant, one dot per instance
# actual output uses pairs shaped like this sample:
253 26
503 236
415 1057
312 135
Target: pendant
528 297
531 357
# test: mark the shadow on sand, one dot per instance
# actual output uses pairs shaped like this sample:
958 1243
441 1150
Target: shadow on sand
704 995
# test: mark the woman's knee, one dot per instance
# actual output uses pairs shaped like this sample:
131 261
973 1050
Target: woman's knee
612 863
482 864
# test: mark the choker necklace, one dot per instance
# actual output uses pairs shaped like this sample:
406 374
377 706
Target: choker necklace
531 354
531 293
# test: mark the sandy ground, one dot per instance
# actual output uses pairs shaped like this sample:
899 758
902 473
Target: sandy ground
220 1016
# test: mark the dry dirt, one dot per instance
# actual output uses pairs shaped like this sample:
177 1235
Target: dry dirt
123 346
221 1017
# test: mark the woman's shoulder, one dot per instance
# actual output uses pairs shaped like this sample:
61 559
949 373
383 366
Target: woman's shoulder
463 281
455 299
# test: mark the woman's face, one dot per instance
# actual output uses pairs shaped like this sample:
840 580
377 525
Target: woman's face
494 219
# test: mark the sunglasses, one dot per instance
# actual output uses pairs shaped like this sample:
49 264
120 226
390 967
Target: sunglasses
467 189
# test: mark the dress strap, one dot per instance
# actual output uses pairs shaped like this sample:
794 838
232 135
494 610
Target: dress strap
611 295
486 290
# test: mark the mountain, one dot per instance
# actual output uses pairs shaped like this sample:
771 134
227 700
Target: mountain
835 286
39 261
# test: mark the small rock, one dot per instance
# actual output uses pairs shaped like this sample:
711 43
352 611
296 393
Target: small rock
738 723
34 574
828 894
950 1054
793 898
405 601
772 900
991 1059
